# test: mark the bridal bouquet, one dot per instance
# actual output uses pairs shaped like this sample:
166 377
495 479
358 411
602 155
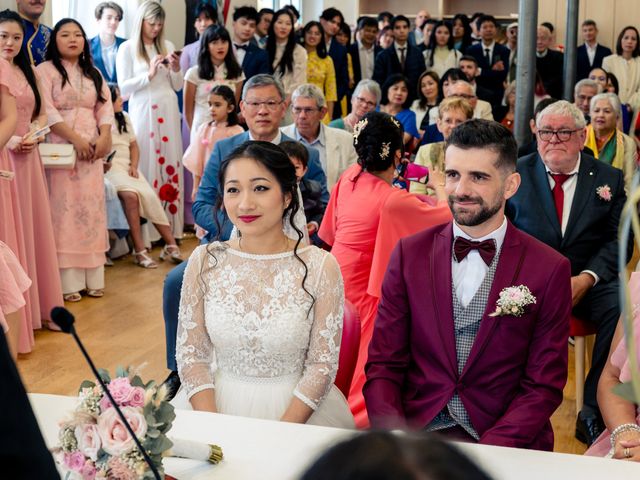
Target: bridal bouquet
94 443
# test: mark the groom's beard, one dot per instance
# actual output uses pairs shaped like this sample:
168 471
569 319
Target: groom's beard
471 218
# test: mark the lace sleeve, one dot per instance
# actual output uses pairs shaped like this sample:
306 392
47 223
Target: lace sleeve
194 351
321 363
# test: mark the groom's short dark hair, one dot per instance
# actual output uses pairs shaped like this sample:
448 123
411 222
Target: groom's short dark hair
479 133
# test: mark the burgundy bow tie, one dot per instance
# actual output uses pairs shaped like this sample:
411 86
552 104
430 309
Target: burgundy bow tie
486 249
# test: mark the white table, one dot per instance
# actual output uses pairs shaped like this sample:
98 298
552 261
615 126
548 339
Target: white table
274 450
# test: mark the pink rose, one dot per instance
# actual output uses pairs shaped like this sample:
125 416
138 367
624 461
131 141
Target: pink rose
120 470
120 389
88 440
74 461
136 397
115 438
88 471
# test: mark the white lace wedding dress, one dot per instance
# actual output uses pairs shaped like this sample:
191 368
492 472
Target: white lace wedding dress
249 331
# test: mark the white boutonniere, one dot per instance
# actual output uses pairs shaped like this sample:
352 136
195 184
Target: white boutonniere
604 193
512 301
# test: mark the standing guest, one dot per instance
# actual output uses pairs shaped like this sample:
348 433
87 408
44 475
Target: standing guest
400 58
288 59
492 58
366 98
583 92
475 27
415 35
469 65
265 16
549 63
441 55
365 49
206 16
590 53
625 63
384 19
252 58
334 146
428 97
36 35
572 202
385 38
512 45
296 17
439 339
39 242
363 194
320 71
149 77
331 19
137 197
461 32
79 112
104 46
217 65
395 101
343 37
427 30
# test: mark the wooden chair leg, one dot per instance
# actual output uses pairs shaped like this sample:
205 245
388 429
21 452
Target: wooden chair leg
579 363
588 346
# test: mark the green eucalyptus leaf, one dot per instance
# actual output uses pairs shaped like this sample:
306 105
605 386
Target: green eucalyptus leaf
86 384
104 375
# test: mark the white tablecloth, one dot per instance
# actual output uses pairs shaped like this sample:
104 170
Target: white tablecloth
275 450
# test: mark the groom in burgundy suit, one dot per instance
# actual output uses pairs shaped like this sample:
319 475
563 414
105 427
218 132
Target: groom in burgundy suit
442 358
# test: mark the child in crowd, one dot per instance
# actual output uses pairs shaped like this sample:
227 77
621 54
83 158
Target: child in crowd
223 124
311 190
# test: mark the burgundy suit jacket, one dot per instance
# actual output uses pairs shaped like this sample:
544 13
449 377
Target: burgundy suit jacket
513 379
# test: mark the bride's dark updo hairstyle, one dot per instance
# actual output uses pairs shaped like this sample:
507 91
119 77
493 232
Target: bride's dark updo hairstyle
376 138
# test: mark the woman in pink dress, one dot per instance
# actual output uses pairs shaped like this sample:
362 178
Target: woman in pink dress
621 417
40 247
351 224
13 284
80 112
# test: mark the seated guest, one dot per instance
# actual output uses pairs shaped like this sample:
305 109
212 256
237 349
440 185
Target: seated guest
137 197
395 101
320 71
608 143
362 197
206 16
599 76
462 89
428 96
400 58
507 113
549 63
441 54
251 58
365 49
232 355
590 54
621 439
36 35
365 99
583 92
627 108
334 146
445 283
331 19
452 112
310 190
572 202
104 46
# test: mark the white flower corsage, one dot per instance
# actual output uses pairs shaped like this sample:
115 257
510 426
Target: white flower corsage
604 193
512 301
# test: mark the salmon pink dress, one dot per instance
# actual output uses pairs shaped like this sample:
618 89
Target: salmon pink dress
13 283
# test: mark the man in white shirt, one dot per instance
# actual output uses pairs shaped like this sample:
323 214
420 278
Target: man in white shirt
104 46
590 54
334 146
365 49
462 89
572 202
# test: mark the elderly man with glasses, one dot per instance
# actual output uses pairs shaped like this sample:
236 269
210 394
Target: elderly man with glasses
334 146
263 107
572 202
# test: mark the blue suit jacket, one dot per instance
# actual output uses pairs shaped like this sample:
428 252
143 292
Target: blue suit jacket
590 241
583 60
96 53
387 63
204 206
338 54
492 80
255 61
355 59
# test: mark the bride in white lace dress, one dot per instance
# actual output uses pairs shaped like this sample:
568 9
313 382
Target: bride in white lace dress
260 317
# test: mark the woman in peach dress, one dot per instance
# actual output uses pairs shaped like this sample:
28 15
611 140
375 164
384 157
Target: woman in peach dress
40 247
80 112
352 222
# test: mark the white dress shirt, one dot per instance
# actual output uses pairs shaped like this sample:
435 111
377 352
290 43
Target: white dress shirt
240 52
399 54
276 140
469 274
490 48
591 52
367 60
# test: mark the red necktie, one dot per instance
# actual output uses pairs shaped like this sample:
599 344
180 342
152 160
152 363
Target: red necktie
486 249
558 193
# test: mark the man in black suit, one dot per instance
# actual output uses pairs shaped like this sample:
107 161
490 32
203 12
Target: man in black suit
365 50
572 202
331 19
492 58
590 53
400 57
252 58
549 63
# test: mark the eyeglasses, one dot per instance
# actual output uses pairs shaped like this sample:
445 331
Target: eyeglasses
305 110
561 135
366 102
272 105
465 96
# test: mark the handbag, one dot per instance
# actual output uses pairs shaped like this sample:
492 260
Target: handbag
57 155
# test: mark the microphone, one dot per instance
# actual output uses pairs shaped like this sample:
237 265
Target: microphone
64 319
